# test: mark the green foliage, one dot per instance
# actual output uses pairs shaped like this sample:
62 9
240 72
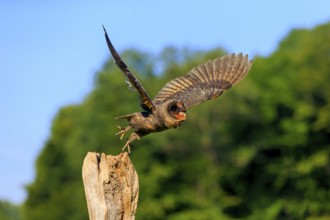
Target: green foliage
9 211
261 151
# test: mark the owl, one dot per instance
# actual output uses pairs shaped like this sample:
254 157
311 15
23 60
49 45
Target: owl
168 108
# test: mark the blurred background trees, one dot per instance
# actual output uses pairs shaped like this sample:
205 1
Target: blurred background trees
9 211
261 151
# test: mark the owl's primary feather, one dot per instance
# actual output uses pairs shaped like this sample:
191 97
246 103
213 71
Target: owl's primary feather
145 101
207 81
168 108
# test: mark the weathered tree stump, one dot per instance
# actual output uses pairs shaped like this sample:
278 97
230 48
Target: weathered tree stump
111 186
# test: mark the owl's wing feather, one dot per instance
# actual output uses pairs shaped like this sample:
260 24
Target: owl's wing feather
206 81
146 102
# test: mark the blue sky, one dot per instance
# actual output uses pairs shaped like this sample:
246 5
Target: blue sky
50 52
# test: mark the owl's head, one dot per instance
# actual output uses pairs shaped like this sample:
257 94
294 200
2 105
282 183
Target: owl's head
177 110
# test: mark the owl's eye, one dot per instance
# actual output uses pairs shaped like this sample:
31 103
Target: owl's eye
174 108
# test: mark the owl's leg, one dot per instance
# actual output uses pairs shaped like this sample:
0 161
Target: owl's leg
123 131
134 136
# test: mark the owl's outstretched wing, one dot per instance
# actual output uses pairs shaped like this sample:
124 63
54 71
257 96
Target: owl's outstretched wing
207 81
146 102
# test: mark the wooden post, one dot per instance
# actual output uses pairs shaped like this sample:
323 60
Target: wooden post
111 186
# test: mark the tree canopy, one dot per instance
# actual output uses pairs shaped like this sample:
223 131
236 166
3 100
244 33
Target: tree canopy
9 211
260 151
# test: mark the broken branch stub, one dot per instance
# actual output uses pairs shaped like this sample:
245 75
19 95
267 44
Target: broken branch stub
111 186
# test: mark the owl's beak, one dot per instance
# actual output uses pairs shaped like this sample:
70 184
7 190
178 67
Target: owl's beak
182 116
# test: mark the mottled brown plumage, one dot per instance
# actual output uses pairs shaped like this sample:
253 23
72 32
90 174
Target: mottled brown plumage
167 109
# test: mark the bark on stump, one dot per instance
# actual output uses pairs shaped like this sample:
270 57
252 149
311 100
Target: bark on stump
111 186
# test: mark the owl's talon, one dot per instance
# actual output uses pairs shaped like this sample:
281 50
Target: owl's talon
122 131
128 147
134 136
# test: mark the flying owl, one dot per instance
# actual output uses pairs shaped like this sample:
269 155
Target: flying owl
168 109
